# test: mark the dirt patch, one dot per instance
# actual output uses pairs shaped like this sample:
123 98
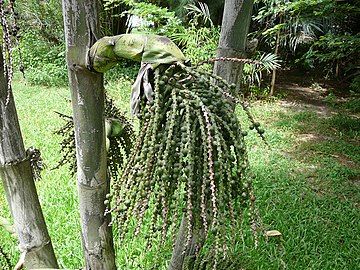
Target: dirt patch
301 98
345 161
312 137
305 95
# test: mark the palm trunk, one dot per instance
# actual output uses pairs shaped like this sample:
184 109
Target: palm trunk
273 77
179 256
234 29
81 29
20 190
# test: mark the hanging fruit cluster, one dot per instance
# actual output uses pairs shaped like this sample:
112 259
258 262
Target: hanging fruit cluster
120 135
190 154
11 38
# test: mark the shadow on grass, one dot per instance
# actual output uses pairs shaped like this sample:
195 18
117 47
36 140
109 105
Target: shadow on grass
308 188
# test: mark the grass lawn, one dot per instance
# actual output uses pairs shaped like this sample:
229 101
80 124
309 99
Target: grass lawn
307 185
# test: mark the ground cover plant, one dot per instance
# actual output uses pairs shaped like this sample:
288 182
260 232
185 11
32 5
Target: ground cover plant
306 184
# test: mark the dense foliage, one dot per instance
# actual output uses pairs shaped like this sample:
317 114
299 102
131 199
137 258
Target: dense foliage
42 42
312 34
196 35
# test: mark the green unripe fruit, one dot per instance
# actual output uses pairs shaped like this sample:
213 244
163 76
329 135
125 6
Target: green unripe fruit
257 124
261 131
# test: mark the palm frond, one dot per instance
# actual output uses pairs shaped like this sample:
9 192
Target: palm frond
201 11
269 61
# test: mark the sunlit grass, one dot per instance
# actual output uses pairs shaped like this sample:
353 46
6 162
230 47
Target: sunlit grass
307 187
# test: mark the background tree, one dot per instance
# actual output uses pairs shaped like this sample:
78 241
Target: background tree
234 30
81 31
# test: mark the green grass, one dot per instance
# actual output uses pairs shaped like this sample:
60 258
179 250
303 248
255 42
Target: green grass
307 187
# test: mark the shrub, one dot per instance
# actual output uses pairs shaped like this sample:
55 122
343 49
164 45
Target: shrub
48 74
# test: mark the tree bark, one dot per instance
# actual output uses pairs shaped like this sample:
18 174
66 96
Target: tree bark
179 256
276 52
81 29
19 186
234 30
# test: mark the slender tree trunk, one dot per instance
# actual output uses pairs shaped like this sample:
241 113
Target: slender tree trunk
20 190
273 77
178 257
81 29
234 30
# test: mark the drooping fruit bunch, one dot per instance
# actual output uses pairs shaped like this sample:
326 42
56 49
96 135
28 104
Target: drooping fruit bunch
119 133
120 136
190 154
10 38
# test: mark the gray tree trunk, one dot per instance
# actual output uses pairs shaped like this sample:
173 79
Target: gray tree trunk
179 256
20 190
234 30
81 29
276 52
273 76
